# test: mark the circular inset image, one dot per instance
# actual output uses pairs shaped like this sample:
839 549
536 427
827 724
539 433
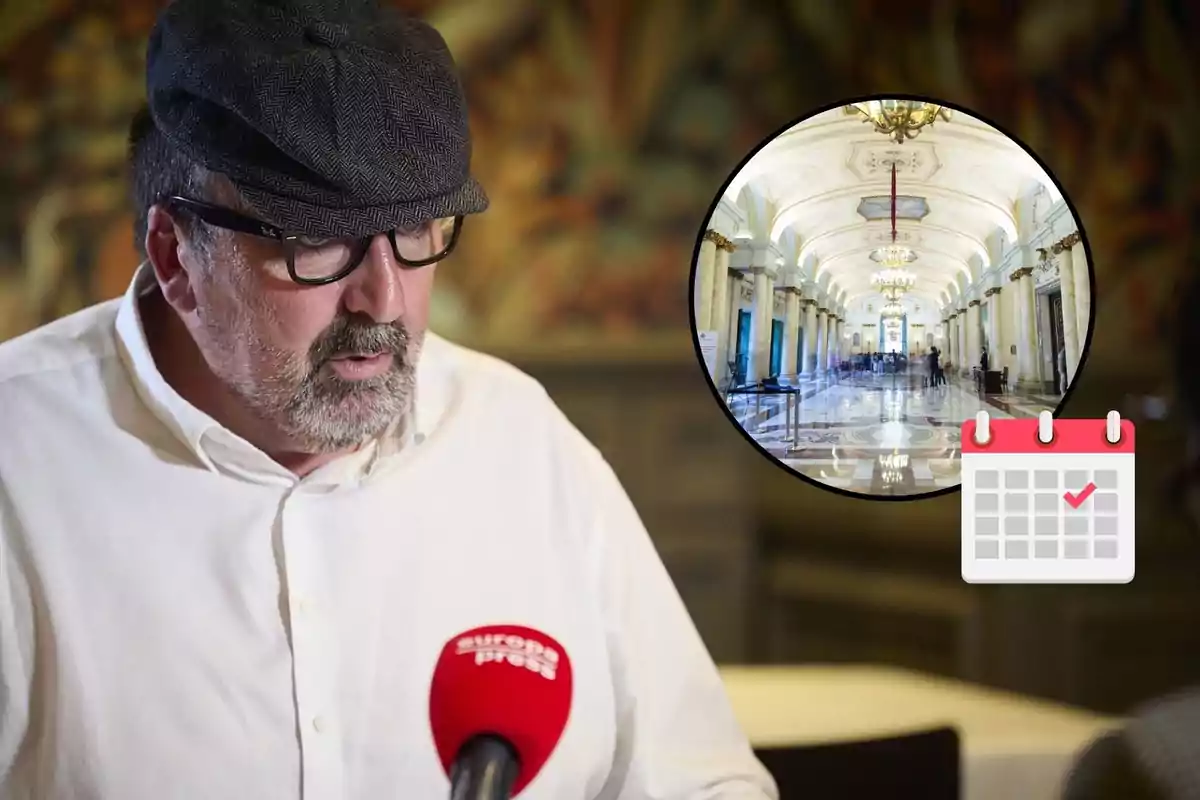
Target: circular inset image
876 274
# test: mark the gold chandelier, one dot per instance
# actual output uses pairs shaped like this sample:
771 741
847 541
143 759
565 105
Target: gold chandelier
894 256
900 119
893 281
892 311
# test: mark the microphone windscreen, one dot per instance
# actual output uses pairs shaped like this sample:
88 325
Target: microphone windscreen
507 681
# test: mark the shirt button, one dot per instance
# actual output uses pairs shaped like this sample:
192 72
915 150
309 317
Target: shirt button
318 724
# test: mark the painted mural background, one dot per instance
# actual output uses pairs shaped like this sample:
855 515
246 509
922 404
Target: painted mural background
604 128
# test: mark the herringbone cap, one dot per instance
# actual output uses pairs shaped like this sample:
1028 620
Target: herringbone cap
333 117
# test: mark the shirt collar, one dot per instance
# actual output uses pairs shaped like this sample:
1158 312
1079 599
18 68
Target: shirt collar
223 451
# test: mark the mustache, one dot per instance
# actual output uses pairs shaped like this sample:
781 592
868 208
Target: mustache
356 335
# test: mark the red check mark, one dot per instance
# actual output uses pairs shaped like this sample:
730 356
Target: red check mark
1076 500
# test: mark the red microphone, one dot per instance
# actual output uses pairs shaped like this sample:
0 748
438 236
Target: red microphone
498 704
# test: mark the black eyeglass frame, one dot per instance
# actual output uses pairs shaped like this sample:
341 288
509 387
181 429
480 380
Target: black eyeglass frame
227 218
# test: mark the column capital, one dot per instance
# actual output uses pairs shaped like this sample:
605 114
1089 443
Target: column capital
962 311
992 291
807 301
1066 243
952 317
1020 273
822 310
787 290
972 304
711 236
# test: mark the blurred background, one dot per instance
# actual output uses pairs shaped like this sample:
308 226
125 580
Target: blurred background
604 130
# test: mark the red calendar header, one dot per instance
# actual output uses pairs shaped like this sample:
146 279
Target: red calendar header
1070 436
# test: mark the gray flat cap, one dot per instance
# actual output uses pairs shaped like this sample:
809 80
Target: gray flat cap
333 117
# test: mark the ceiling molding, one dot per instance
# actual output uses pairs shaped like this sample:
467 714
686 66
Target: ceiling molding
977 245
1000 217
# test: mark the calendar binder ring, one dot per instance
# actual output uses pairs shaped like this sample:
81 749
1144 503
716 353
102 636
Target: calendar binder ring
1045 432
983 432
1112 427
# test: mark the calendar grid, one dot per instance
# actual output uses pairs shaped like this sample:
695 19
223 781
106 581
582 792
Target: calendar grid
1020 514
1059 512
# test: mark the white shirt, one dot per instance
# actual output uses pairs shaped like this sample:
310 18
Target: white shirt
183 619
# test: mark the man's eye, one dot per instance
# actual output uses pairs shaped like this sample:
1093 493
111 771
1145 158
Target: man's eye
418 230
311 242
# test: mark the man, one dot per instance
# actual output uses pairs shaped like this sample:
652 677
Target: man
243 508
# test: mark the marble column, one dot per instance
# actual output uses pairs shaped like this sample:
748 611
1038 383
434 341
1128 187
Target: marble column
760 324
736 285
822 340
965 358
996 348
722 284
952 341
835 337
1027 366
1066 286
974 327
950 346
1083 287
791 332
833 341
809 345
705 268
841 340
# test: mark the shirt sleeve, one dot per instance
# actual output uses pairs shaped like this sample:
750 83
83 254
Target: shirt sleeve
16 652
677 737
1107 770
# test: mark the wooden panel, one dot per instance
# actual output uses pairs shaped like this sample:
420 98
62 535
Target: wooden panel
828 611
683 465
712 570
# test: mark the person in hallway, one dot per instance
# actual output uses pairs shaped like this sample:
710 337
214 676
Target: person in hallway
1062 370
933 368
983 360
284 494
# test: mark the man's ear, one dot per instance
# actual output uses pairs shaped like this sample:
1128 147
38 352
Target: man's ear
163 245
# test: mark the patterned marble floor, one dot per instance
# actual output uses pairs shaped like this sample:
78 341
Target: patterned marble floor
877 434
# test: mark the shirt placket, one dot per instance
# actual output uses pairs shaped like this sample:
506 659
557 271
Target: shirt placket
314 651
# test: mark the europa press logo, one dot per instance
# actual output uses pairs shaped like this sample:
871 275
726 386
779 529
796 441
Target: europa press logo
511 649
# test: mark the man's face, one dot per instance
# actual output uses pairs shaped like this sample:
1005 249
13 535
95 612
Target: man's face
326 366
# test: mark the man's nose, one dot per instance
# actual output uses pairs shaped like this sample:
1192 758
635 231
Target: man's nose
376 288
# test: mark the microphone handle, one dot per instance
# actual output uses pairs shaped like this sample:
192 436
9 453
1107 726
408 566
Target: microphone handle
485 769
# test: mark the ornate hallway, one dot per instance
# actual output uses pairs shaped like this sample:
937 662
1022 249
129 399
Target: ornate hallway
841 266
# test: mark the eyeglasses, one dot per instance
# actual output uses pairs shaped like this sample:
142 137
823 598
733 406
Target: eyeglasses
315 261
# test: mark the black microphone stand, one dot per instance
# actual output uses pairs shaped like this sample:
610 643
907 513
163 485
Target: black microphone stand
486 769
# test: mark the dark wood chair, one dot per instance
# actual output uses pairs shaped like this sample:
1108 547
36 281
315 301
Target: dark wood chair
923 765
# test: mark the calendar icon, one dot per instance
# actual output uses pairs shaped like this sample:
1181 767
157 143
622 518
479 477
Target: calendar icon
1046 500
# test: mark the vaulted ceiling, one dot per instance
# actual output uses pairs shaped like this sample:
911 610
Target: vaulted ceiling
958 182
